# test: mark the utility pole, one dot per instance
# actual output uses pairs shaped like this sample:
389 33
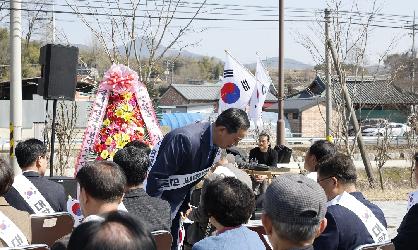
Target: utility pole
413 55
328 112
15 79
172 72
53 21
280 136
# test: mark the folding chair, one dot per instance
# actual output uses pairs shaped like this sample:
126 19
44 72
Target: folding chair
377 246
31 247
256 226
47 228
162 239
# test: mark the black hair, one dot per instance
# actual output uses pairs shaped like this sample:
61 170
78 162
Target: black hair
102 180
27 152
262 134
118 231
322 149
233 119
340 166
134 163
416 157
138 144
229 201
6 176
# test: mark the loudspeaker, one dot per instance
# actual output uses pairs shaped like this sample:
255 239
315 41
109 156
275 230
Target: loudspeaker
69 184
59 72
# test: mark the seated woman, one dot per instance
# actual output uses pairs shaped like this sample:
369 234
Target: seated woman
229 203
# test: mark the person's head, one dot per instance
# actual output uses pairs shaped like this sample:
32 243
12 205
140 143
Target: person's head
228 202
118 231
134 163
6 176
318 152
336 175
294 211
102 185
263 141
230 127
31 154
138 144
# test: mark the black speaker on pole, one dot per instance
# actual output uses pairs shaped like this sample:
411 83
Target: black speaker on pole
59 72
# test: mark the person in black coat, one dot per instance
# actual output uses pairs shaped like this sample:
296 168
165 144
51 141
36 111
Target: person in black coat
154 212
345 230
264 154
186 154
32 158
408 229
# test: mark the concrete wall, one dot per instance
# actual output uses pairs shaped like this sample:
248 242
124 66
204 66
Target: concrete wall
34 112
313 121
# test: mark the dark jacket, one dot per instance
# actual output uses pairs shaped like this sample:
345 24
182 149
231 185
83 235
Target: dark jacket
345 231
52 192
154 212
183 151
178 162
408 231
268 158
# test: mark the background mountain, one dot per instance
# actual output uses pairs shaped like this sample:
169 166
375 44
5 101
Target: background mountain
273 63
144 52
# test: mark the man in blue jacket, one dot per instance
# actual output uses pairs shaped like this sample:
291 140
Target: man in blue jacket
185 155
352 220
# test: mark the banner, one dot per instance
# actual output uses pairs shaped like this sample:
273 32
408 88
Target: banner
10 233
238 85
259 95
31 195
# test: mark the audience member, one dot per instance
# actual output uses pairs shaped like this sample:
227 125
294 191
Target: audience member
264 154
224 167
294 210
352 220
20 219
229 204
408 230
32 158
102 185
154 212
118 231
139 144
319 151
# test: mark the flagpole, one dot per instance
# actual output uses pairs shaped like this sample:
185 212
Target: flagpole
280 136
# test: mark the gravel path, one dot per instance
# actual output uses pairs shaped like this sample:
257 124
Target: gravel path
394 212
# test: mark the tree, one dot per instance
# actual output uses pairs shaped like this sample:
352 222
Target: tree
135 31
399 68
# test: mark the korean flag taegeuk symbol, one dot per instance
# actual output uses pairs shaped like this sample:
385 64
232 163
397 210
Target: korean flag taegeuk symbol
230 93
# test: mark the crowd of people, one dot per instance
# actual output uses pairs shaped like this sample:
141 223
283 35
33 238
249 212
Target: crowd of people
189 181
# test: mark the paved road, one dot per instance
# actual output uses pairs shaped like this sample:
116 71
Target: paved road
394 212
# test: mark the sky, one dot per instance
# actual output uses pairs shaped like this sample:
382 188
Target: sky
243 39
